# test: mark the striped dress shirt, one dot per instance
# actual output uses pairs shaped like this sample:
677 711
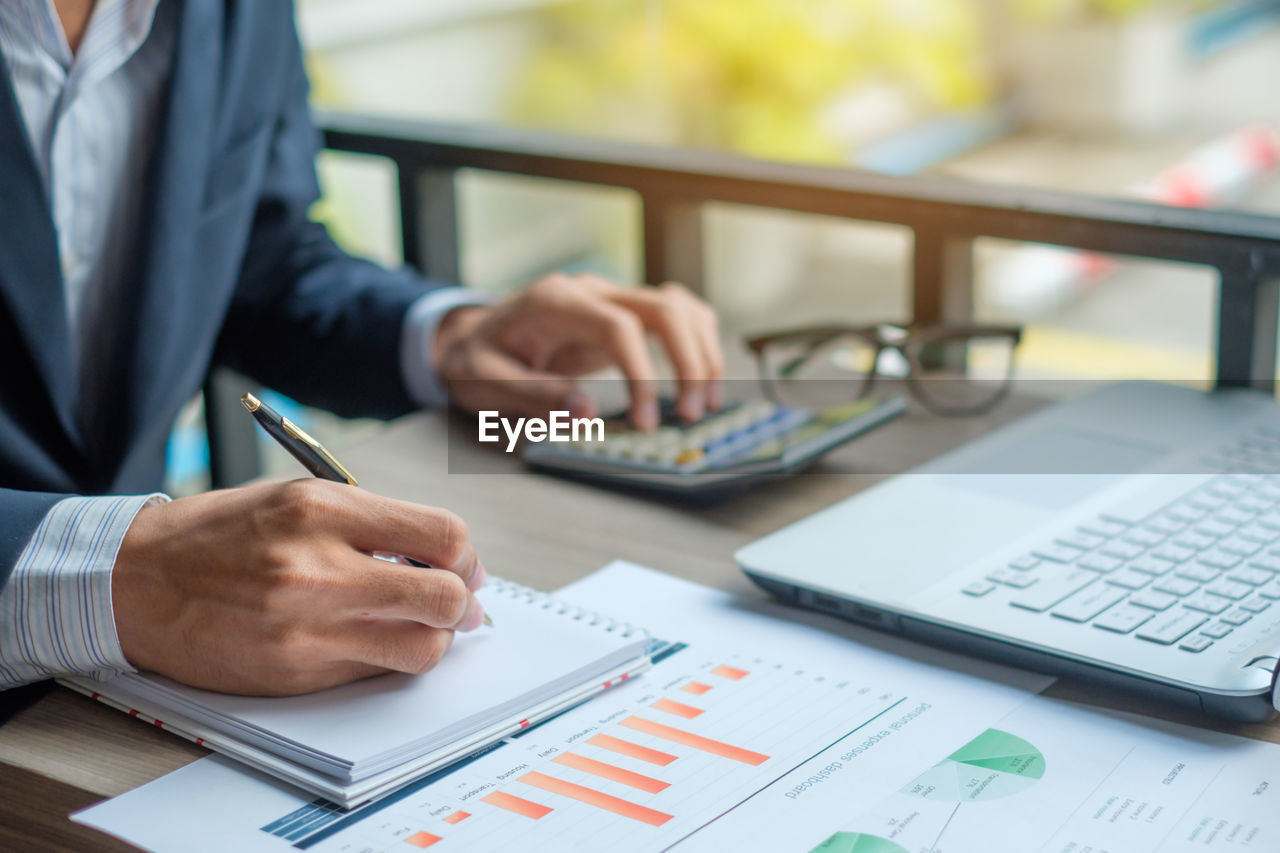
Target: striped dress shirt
92 118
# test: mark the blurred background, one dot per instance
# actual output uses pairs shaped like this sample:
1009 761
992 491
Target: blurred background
1171 101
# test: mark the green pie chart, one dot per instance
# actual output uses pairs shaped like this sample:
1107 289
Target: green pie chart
995 764
857 842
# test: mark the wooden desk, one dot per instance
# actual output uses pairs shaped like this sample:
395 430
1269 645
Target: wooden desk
65 752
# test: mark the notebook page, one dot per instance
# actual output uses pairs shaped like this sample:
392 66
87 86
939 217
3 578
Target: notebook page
528 647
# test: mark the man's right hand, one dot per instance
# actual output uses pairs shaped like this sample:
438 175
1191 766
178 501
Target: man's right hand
271 589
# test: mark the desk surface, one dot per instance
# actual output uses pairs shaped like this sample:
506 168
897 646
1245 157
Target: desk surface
65 751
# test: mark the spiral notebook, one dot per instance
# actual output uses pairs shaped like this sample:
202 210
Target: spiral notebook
359 741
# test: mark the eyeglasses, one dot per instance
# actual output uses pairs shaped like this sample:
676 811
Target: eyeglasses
951 370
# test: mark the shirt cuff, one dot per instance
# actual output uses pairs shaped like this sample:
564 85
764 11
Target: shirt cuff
56 615
417 337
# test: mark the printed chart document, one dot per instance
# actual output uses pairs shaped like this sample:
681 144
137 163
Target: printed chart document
753 722
1062 778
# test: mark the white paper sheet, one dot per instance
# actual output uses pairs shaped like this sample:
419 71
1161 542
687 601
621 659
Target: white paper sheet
763 752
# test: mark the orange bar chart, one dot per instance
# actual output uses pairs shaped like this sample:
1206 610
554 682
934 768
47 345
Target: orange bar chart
726 671
697 688
518 805
631 750
678 708
609 771
423 839
592 797
457 817
705 744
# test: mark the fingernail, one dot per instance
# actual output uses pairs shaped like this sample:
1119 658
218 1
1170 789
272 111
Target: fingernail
693 404
646 416
715 395
477 577
475 616
579 404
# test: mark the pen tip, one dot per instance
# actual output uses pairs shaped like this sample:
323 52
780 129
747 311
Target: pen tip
250 402
488 621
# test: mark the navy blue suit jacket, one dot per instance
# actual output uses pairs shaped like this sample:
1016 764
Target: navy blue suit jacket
228 271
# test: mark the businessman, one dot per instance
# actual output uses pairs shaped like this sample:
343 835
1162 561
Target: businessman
156 169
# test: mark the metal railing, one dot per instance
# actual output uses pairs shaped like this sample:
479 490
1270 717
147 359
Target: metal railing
945 217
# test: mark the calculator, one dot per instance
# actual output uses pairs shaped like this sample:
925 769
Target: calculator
742 444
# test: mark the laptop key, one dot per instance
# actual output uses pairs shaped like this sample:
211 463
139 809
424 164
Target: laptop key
1253 577
1057 553
978 588
1258 533
1202 602
1196 644
1122 619
1129 579
1270 562
1013 578
1177 586
1153 600
1122 549
1193 540
1053 589
1233 516
1187 514
1166 524
1217 529
1173 553
1025 562
1255 605
1240 546
1088 603
1196 572
1083 541
1150 565
1228 588
1100 563
1167 628
1271 591
1145 537
1236 617
1219 559
1217 630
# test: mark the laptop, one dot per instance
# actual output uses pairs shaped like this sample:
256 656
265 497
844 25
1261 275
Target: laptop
1129 536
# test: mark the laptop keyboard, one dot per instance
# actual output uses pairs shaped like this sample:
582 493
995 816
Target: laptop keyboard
1185 573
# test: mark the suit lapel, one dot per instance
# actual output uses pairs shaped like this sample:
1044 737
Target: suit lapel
30 275
165 299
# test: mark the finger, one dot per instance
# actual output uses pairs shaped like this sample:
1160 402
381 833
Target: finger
505 384
369 523
673 316
622 334
397 645
431 597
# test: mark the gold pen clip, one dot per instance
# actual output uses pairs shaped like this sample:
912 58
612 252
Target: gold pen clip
296 431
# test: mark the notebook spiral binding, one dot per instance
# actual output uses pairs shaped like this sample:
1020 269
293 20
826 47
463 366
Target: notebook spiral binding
547 601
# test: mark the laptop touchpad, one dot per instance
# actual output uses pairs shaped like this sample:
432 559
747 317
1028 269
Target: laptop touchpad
1078 462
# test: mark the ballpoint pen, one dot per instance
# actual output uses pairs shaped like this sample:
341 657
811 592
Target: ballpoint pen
313 456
